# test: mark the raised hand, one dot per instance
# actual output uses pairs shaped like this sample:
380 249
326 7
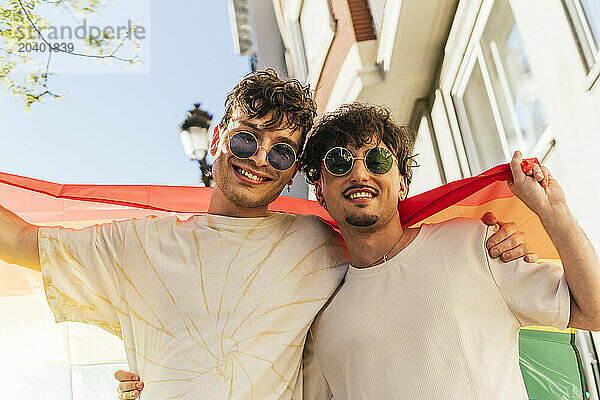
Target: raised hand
536 188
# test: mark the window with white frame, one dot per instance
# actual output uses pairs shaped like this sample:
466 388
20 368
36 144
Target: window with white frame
496 96
317 32
296 58
449 158
585 20
429 173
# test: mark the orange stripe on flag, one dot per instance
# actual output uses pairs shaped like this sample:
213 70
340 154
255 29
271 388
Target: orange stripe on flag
507 209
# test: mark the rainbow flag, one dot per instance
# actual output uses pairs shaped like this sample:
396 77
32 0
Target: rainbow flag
549 359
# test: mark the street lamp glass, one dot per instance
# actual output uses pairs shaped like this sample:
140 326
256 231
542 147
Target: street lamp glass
195 142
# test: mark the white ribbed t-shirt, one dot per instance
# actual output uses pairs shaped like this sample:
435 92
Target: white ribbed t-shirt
208 308
438 321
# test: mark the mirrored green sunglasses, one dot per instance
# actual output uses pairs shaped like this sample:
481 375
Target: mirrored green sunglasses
339 161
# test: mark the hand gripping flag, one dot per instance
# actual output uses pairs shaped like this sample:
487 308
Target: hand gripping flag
549 360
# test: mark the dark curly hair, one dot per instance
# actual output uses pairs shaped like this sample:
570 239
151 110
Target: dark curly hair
359 124
262 92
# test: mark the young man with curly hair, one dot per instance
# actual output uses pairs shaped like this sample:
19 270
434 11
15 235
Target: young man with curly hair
216 306
426 313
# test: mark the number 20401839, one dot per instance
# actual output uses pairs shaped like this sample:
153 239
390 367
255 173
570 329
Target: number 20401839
42 47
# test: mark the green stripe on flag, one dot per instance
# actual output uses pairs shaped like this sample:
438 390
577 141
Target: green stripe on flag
551 365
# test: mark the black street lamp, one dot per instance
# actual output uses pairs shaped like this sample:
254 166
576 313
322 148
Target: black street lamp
195 139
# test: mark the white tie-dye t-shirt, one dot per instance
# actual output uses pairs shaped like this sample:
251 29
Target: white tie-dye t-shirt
212 307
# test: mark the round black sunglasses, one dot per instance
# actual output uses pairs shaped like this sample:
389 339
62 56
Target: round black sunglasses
244 144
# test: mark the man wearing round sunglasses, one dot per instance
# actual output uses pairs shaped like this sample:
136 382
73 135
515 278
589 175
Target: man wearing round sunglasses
426 313
216 306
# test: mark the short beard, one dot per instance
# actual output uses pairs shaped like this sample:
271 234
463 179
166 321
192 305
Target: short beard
362 220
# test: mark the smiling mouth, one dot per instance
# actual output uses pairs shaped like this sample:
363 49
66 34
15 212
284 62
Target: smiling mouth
360 195
359 192
249 175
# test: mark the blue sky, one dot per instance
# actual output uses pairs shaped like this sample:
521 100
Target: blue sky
123 128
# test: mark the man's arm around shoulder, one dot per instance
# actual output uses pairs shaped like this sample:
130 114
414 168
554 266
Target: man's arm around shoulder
18 241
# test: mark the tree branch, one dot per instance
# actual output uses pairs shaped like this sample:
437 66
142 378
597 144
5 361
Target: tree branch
45 75
11 53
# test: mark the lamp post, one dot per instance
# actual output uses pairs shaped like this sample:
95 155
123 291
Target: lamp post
194 137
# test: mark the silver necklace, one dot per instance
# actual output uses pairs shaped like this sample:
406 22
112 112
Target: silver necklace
384 257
